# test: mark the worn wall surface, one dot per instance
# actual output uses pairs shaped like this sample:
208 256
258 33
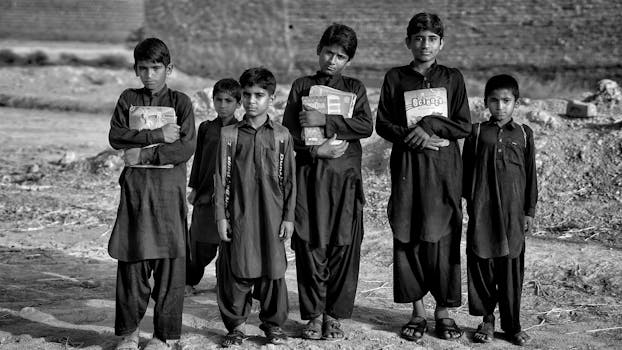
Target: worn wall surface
541 35
79 20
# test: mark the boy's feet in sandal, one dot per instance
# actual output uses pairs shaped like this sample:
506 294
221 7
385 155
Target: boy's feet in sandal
521 338
156 344
274 333
446 328
331 330
414 329
313 329
485 333
234 338
129 342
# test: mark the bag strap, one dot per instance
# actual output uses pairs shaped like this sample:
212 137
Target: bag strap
479 126
229 144
524 134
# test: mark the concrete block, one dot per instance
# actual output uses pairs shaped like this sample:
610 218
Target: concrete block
580 109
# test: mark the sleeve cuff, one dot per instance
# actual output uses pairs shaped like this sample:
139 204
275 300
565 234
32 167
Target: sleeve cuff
156 136
426 127
330 128
530 212
147 155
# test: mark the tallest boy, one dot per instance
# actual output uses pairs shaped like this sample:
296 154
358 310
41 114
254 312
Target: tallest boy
426 176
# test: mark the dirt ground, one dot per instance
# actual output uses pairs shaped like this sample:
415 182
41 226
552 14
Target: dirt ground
56 211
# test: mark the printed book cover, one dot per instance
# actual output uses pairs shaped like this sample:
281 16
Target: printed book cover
151 117
328 101
424 102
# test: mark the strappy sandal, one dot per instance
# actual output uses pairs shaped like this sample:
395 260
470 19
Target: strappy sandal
233 338
129 342
521 338
274 334
414 329
331 330
446 328
312 330
485 332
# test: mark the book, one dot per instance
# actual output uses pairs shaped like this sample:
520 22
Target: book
424 102
151 118
327 100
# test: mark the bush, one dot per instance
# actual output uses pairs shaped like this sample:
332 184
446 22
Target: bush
37 58
9 58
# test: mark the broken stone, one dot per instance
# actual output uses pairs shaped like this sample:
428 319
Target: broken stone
580 109
67 158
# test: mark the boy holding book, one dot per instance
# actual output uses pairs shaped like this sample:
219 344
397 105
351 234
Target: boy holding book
329 210
255 196
501 190
149 236
423 110
204 237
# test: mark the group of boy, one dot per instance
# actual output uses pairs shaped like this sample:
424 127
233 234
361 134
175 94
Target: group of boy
255 183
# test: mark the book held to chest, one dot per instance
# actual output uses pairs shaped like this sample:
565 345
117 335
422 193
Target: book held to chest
151 118
326 100
424 102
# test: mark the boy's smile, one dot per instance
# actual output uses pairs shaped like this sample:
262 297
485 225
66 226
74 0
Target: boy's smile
333 59
152 74
425 46
501 103
256 101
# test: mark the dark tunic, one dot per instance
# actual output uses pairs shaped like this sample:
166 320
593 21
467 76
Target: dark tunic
203 228
328 189
258 205
425 185
500 187
151 219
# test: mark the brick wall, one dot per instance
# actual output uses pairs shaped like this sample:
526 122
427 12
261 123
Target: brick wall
535 35
76 20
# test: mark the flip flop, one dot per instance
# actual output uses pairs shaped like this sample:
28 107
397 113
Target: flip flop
274 333
418 326
156 344
485 332
521 338
312 330
129 342
233 338
331 330
446 328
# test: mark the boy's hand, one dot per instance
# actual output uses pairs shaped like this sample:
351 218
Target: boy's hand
311 117
435 143
417 138
171 132
286 231
131 156
330 150
192 196
528 225
224 230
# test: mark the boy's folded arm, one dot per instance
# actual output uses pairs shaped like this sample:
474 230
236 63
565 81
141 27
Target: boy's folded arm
181 150
358 127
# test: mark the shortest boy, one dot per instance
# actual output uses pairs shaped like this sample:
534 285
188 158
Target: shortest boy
204 237
255 197
501 190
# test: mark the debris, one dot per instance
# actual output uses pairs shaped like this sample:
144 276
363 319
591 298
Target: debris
67 158
578 109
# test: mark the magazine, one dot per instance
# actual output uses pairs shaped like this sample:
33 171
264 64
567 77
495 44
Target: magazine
151 117
327 100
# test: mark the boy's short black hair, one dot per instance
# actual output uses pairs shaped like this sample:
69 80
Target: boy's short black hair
425 21
339 34
153 50
259 76
501 81
228 86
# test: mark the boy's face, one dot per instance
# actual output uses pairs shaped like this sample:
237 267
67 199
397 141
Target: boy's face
501 103
333 59
152 74
225 104
425 46
256 101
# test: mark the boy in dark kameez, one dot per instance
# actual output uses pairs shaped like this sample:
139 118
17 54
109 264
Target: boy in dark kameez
329 210
149 235
255 196
501 190
204 237
426 176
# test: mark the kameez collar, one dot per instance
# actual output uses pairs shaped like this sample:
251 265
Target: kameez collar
511 125
156 94
244 122
326 79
